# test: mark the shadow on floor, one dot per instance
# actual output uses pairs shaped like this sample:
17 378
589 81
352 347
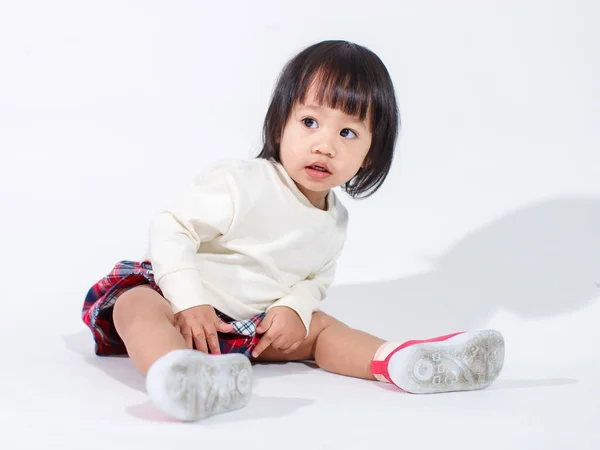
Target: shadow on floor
119 368
259 407
539 261
519 384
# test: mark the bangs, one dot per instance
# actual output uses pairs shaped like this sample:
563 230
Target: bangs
349 78
340 85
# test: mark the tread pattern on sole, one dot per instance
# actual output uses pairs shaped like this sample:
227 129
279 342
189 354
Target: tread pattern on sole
469 361
190 385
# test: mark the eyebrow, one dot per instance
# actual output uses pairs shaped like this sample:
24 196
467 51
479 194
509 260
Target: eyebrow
321 108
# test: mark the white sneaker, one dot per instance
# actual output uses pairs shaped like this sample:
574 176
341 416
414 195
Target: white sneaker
455 362
190 385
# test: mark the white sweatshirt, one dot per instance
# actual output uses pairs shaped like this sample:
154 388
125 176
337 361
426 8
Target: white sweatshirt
243 239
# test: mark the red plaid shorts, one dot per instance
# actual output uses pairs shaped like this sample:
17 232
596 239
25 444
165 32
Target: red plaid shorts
100 300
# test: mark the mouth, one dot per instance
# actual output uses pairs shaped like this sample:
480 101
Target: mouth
318 171
321 167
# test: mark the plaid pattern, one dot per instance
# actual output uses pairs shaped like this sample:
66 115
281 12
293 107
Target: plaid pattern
100 300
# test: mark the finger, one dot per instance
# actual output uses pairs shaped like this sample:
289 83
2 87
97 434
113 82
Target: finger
264 325
223 326
285 346
292 347
186 332
280 343
262 345
200 340
213 340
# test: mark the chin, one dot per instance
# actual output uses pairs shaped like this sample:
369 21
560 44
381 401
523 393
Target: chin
309 185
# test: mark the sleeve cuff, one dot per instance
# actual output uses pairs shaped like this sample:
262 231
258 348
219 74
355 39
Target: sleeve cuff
183 289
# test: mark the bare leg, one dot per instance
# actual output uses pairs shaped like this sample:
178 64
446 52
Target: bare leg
144 320
334 346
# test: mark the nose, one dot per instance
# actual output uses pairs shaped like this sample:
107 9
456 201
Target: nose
324 144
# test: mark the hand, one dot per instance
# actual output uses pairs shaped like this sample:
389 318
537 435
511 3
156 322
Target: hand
199 325
282 328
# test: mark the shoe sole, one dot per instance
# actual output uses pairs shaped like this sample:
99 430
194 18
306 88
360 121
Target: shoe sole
190 385
469 361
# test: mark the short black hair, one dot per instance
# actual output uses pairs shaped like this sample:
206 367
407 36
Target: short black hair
351 78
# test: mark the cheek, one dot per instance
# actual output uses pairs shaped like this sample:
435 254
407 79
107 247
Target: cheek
283 146
286 146
289 139
361 151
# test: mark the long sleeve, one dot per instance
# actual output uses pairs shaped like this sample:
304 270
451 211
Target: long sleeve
305 297
204 212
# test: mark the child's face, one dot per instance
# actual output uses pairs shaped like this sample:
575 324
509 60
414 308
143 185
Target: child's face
321 136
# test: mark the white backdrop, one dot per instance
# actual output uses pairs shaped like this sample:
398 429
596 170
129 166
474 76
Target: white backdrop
490 215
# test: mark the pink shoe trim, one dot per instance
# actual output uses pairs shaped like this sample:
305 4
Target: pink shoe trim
380 368
377 369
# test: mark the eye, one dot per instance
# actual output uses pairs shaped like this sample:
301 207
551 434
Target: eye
308 122
346 131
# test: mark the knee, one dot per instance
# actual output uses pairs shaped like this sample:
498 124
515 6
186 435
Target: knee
140 303
124 310
320 322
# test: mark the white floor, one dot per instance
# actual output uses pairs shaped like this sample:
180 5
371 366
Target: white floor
57 394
